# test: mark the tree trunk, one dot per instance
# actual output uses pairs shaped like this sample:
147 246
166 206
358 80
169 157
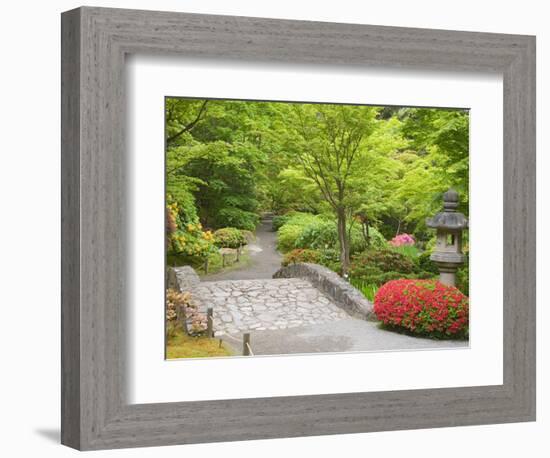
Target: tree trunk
343 240
365 230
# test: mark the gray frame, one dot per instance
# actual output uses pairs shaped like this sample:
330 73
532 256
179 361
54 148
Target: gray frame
95 414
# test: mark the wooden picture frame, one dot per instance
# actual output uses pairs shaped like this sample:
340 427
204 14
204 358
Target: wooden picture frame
95 412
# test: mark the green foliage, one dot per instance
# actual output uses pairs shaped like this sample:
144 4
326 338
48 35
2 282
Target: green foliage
330 258
463 278
368 289
301 255
186 240
293 225
192 241
371 171
376 239
279 221
408 250
386 260
180 345
376 267
437 160
302 219
318 232
324 234
287 236
229 237
424 264
233 216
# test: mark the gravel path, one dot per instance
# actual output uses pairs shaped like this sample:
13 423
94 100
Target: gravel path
265 259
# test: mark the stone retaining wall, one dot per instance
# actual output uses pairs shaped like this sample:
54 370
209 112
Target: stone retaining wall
330 283
182 278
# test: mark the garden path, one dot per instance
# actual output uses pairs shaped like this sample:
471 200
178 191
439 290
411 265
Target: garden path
265 260
290 315
244 305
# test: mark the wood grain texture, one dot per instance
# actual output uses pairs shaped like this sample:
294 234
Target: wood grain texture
70 229
96 414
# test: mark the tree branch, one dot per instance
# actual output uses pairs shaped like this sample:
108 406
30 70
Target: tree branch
189 126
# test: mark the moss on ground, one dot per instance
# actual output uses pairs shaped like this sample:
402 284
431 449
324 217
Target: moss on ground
180 345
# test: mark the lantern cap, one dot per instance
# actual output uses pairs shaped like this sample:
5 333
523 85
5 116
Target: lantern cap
449 218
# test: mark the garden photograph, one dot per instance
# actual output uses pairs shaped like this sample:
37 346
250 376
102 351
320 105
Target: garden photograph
301 227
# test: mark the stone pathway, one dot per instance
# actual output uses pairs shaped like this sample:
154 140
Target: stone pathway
350 335
274 304
265 260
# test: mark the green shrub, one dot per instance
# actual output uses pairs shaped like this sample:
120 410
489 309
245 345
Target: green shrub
323 234
279 221
386 260
377 240
235 217
410 251
318 235
287 236
368 289
248 235
330 258
302 219
376 267
319 232
294 224
301 255
424 263
229 237
463 279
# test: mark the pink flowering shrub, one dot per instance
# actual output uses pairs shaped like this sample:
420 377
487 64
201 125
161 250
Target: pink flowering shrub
402 239
175 299
424 307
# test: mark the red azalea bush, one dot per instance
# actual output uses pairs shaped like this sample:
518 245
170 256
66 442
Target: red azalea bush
424 307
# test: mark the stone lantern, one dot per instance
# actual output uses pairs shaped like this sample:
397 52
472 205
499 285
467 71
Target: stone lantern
448 249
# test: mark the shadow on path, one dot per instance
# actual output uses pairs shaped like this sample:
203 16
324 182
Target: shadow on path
347 335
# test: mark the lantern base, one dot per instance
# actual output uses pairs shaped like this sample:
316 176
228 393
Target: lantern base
447 272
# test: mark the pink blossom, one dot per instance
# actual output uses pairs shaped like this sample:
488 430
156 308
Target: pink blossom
402 239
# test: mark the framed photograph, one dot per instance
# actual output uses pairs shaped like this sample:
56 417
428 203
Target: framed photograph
277 228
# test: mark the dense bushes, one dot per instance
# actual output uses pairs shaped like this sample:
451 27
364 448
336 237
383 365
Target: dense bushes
376 267
385 260
289 228
184 301
318 232
463 278
229 237
279 221
423 307
301 255
425 264
236 217
311 238
324 234
287 236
